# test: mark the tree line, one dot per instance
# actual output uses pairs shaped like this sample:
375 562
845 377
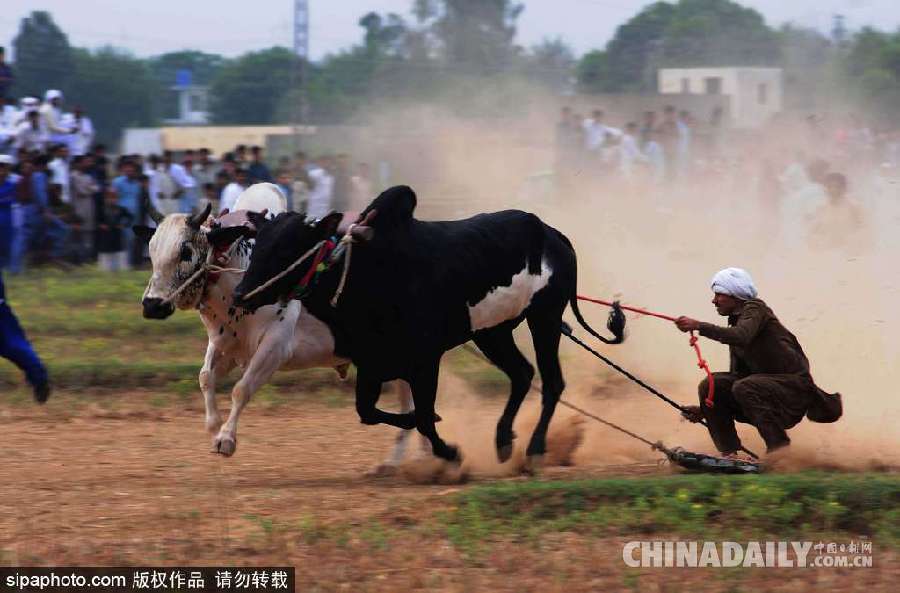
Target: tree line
455 50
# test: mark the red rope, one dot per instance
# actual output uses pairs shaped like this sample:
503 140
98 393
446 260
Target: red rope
701 362
326 248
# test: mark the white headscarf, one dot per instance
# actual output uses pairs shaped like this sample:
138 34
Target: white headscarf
52 94
734 282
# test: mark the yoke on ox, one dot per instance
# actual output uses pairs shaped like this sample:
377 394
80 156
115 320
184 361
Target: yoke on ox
181 250
416 289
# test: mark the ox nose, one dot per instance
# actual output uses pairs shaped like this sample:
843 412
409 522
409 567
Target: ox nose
156 309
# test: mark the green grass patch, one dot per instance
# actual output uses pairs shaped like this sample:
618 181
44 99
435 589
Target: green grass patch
689 505
88 328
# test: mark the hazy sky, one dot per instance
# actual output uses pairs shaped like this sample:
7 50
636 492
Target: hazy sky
231 28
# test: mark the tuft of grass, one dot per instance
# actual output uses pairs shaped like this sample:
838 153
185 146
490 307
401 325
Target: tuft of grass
375 535
312 530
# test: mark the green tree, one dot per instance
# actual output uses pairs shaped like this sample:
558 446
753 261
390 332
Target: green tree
473 36
808 59
593 73
634 48
43 56
872 70
249 89
688 33
550 63
718 33
115 89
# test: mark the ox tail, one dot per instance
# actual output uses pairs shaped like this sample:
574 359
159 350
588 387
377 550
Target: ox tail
616 321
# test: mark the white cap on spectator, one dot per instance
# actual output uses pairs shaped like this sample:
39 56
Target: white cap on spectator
29 102
53 94
5 159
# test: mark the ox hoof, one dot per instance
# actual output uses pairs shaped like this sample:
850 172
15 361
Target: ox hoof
452 454
504 453
224 446
504 444
382 470
533 465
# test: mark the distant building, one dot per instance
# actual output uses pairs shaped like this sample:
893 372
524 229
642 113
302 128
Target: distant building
219 139
755 94
193 101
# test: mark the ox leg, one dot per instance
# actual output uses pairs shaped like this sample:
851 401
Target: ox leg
368 390
545 331
263 364
214 364
424 390
389 465
500 348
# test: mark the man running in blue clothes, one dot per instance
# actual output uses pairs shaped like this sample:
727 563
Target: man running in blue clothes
14 345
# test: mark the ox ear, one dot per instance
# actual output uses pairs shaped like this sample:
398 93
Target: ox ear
144 233
224 237
328 226
258 219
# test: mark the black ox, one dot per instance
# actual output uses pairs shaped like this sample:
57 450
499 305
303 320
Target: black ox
416 289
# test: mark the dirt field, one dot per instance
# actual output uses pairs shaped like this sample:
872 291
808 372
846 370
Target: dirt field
124 482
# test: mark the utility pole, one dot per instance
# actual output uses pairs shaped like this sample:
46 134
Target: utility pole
299 111
838 30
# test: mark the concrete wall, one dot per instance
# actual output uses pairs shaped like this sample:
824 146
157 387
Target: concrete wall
219 139
623 108
755 94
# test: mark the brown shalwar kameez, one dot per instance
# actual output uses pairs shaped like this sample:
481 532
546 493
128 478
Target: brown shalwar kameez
768 384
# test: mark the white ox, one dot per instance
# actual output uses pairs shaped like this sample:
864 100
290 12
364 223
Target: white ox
275 337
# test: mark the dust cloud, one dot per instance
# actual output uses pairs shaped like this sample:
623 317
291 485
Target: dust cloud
656 246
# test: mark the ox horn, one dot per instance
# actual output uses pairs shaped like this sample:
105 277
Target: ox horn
155 215
198 219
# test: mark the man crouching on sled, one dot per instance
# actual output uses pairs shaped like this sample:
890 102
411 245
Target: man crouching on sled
768 384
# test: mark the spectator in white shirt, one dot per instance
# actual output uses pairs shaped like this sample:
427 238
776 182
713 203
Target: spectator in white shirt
596 133
233 190
182 179
320 194
8 116
59 166
51 114
656 155
30 134
191 194
629 151
26 104
83 136
204 169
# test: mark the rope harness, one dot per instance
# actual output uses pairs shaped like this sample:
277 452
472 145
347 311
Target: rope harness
701 362
211 265
326 249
